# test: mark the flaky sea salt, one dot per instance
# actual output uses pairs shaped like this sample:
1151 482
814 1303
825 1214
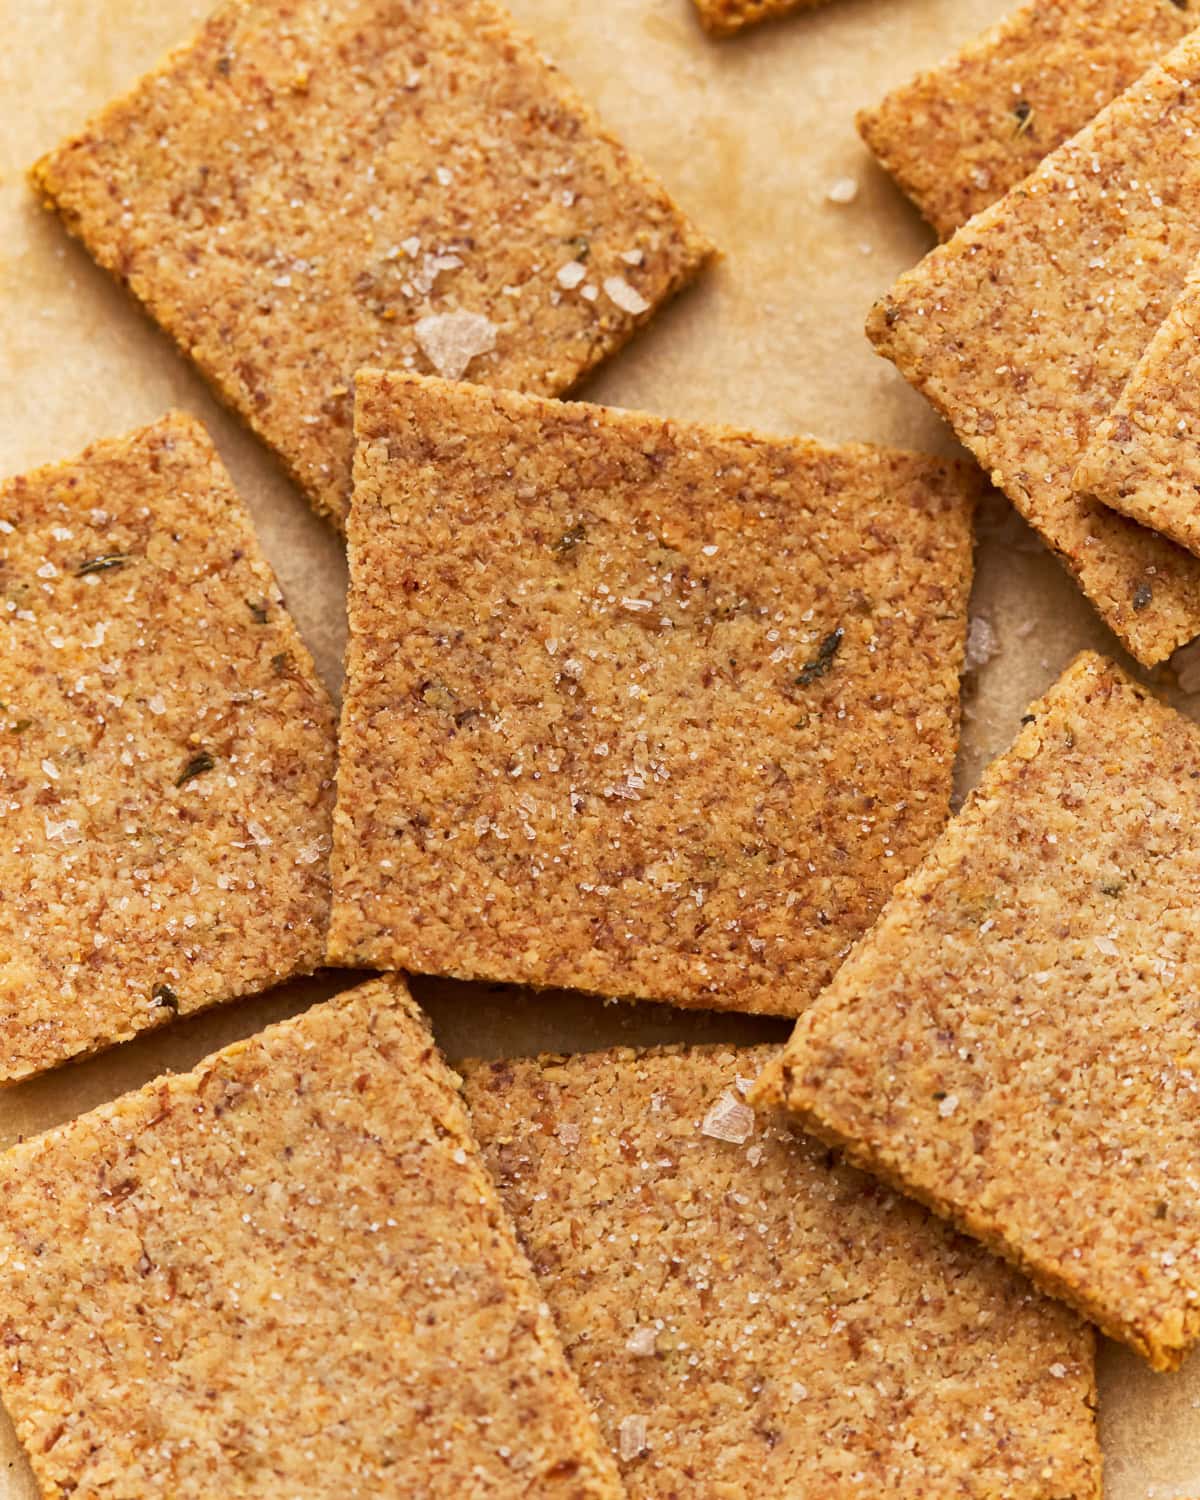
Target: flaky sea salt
631 1438
568 1133
1107 947
844 190
729 1120
450 341
948 1105
626 297
571 274
642 1342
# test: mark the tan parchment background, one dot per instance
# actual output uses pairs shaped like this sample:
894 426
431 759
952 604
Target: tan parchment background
750 134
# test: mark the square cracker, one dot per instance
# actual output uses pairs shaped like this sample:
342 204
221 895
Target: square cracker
747 1316
1144 460
315 185
959 135
166 751
1015 1041
634 706
725 17
1023 329
284 1273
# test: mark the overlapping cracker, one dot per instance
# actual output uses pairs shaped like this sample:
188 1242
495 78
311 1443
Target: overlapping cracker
748 1316
634 706
284 1273
1015 1042
309 187
166 751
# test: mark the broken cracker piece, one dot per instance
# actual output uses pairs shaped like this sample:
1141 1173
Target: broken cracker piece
309 187
725 17
1144 460
752 1317
634 706
1015 1040
284 1273
959 135
166 752
1023 329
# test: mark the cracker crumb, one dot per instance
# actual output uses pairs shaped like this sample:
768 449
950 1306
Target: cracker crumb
843 190
981 644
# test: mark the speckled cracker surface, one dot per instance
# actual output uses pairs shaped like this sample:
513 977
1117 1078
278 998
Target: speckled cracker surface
1015 1042
166 752
748 1317
1023 329
284 1273
636 707
310 187
724 17
961 134
1144 460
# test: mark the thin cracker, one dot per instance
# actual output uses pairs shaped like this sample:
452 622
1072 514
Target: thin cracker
959 135
634 706
1015 1041
287 195
1023 329
166 751
781 1324
1144 459
284 1273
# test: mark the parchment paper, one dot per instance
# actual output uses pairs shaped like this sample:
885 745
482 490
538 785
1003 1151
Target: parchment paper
750 134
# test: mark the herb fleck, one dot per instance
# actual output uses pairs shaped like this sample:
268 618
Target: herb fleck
823 661
197 766
1160 1210
104 563
282 662
165 996
570 539
258 610
1023 114
1112 887
582 249
1142 596
19 726
1029 718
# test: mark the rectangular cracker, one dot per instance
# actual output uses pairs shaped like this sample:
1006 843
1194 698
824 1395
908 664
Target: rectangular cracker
749 1317
1144 459
637 707
1023 329
1015 1041
315 185
959 135
166 751
725 17
284 1273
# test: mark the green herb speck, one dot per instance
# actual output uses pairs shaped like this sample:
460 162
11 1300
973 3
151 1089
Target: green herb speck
197 766
823 661
104 563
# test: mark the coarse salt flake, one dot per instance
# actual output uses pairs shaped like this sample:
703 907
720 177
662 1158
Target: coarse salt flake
844 190
948 1105
450 341
729 1119
642 1342
1107 947
626 297
568 1133
631 1438
571 274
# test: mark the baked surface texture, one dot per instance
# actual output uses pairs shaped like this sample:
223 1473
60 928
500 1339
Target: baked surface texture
1023 329
1144 460
725 17
959 135
748 1316
1015 1041
166 751
637 707
284 1273
311 186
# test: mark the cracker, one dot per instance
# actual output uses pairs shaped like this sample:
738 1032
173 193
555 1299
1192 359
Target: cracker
1015 1041
166 751
959 135
747 1316
284 1273
1023 329
1144 460
637 707
315 185
725 17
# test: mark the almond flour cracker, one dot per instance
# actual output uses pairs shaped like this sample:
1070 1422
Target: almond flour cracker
961 134
1015 1042
284 1273
315 185
633 706
1023 329
1145 457
166 752
748 1317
